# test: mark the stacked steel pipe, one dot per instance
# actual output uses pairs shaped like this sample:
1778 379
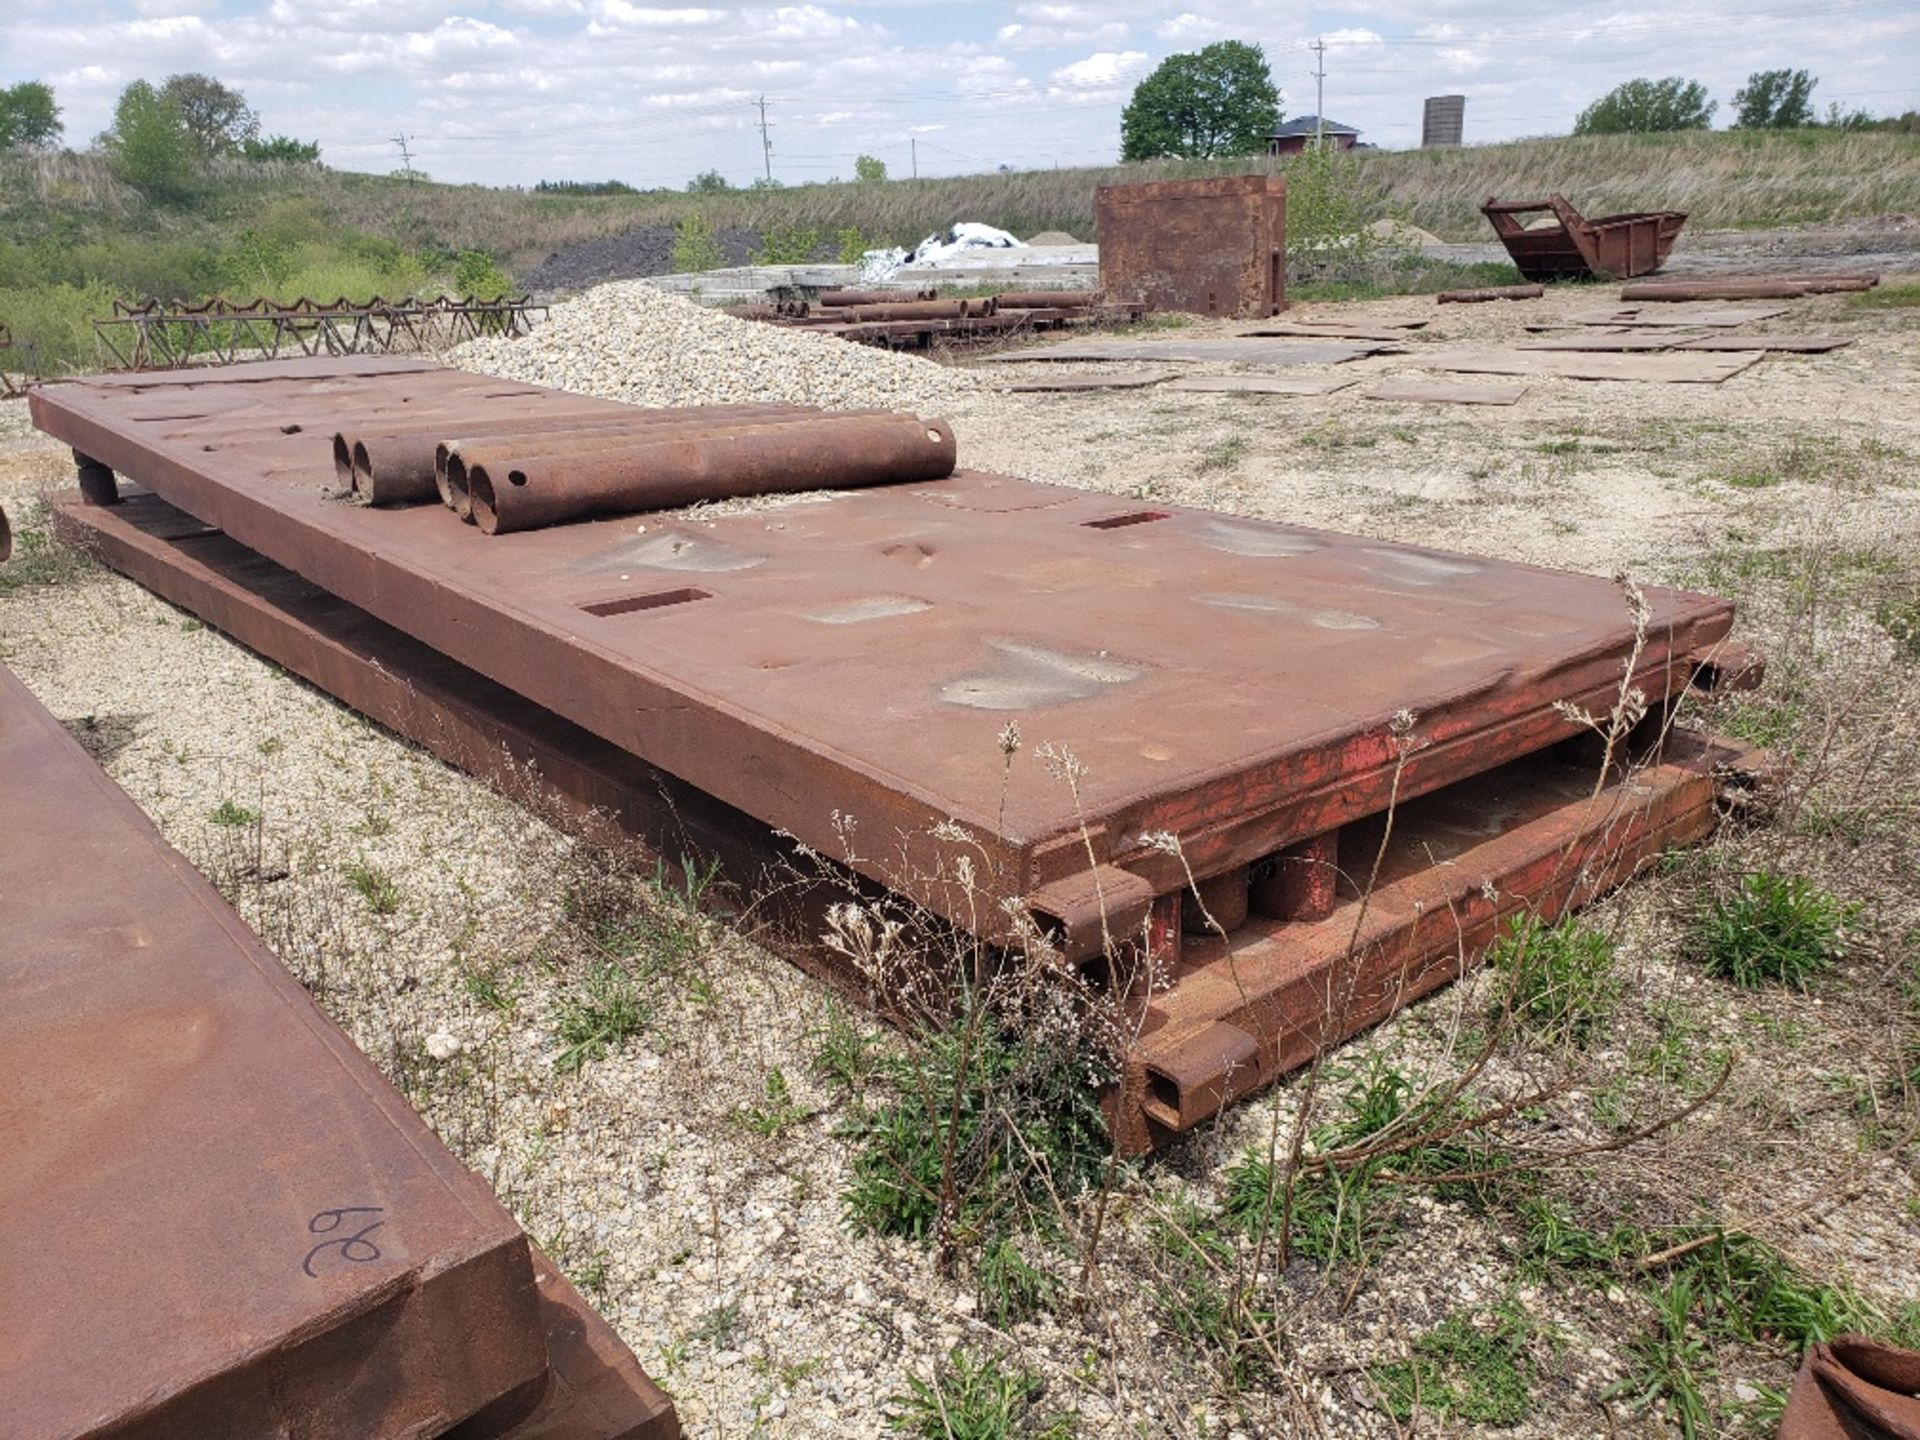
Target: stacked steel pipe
1747 287
511 475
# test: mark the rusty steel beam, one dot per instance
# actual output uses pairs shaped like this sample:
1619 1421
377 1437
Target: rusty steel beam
1208 247
217 1218
1231 682
661 469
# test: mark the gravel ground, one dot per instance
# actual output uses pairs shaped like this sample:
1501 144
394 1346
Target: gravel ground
716 1244
632 342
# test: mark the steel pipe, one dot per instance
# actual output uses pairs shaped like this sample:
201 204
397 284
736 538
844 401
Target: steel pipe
450 466
508 492
1491 292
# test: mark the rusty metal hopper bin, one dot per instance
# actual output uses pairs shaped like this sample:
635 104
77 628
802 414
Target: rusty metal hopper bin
1613 247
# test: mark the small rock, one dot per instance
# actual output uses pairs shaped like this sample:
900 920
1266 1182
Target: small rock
442 1046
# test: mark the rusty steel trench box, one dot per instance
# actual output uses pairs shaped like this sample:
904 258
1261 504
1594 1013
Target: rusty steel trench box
1227 691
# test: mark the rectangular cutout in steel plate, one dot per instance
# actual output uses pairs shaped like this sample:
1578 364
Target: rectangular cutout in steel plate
658 600
1132 517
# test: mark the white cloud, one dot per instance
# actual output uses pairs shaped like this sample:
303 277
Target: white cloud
1106 67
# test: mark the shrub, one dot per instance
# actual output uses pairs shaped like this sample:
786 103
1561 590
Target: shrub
1775 930
853 245
869 170
787 245
694 248
477 277
1329 207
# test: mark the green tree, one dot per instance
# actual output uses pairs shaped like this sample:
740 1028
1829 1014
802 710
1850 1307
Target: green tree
283 148
1774 100
708 182
149 145
869 171
217 116
29 118
1219 101
1645 107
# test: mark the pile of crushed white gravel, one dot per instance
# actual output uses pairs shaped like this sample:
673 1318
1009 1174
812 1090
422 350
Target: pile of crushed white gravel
630 341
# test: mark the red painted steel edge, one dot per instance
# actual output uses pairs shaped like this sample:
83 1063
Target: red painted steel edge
216 1218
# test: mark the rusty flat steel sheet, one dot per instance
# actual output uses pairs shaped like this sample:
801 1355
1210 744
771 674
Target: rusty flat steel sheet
1258 384
1706 316
1329 330
1772 344
1418 392
1624 342
1137 380
1207 352
1663 369
1228 680
217 1219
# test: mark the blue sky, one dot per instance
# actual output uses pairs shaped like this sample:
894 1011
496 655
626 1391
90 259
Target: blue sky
513 91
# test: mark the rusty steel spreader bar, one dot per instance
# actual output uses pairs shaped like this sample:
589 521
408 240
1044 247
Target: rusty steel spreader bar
157 335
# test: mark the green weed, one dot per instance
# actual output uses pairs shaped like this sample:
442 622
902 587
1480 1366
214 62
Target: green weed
844 1054
778 1113
1557 982
230 813
1226 455
601 1013
1010 1288
373 885
1775 930
995 1123
975 1397
1476 1372
1198 1296
1672 1368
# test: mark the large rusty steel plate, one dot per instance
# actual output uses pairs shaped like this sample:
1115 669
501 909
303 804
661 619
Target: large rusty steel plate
843 669
216 1218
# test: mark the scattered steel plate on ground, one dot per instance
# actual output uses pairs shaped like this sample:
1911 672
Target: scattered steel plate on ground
217 1219
1117 381
1771 344
1706 315
1666 369
1225 351
1257 384
1417 392
1331 330
1622 341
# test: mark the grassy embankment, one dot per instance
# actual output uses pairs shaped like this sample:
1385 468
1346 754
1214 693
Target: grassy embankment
72 237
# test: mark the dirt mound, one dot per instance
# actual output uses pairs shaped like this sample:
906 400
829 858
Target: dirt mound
1398 232
634 255
1052 237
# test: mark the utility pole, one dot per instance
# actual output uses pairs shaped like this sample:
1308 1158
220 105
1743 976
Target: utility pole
406 157
1320 94
913 144
766 140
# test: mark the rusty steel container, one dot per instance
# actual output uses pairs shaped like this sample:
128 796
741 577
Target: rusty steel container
1612 247
1206 247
